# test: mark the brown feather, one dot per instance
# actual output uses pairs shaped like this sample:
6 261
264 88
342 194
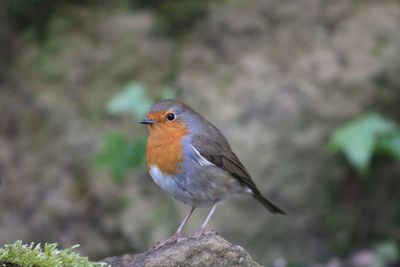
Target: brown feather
220 154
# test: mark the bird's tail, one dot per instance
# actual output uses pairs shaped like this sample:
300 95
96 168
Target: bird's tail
268 204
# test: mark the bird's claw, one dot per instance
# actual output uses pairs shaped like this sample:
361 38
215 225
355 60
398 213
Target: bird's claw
202 232
177 237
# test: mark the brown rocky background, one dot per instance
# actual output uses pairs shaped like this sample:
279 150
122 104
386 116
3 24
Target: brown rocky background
275 76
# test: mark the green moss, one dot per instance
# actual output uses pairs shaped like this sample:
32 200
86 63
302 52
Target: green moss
46 256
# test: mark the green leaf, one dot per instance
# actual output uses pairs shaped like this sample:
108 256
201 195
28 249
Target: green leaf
167 92
390 146
120 156
358 139
386 253
132 100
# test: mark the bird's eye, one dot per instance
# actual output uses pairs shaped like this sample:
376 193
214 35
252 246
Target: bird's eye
171 116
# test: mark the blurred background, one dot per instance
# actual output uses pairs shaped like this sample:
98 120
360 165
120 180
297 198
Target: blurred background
306 91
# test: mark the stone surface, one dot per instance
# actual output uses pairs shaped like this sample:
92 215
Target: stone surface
208 250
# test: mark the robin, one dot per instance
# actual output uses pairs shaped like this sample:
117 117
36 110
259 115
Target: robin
190 159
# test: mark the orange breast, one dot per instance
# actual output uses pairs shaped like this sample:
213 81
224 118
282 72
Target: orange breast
164 146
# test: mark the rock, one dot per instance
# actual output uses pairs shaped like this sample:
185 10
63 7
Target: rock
208 250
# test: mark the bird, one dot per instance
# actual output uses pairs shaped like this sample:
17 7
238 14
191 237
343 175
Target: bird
190 159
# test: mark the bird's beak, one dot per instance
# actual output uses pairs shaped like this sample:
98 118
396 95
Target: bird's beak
147 121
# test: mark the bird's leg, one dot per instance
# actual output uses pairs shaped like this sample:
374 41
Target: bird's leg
177 235
210 214
185 220
202 230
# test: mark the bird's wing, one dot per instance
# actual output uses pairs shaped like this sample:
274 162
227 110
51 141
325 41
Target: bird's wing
218 152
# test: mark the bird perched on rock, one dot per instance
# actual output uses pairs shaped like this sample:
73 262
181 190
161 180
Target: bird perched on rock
190 159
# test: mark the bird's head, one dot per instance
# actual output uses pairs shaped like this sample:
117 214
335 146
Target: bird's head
168 115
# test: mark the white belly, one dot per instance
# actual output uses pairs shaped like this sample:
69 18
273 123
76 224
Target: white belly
169 183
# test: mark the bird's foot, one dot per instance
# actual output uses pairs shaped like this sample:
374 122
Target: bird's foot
202 232
172 240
